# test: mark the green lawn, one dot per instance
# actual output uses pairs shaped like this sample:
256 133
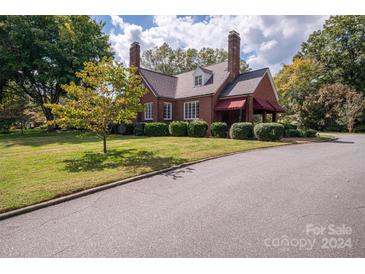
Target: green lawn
38 166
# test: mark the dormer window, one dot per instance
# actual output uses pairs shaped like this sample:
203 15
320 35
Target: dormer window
199 80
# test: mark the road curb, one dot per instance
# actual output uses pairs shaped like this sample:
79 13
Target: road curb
89 191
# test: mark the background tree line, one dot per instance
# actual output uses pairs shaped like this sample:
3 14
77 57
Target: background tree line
323 88
39 55
171 61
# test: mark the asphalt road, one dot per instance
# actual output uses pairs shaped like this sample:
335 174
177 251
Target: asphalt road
293 201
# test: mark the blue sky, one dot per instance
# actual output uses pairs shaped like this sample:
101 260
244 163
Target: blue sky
266 41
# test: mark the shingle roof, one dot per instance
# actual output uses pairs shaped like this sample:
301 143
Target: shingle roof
245 83
161 84
206 70
182 85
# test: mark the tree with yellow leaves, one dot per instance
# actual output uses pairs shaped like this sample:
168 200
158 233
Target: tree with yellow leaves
108 93
295 82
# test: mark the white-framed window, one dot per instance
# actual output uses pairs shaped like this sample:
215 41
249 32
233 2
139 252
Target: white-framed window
148 112
198 80
191 110
167 111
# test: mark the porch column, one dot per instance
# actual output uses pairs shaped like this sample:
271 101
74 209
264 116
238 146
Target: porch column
264 117
240 116
274 116
249 109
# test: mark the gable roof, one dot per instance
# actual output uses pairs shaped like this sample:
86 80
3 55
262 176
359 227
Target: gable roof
245 83
206 70
182 85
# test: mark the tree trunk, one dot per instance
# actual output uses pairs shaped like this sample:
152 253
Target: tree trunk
104 143
350 127
22 126
49 117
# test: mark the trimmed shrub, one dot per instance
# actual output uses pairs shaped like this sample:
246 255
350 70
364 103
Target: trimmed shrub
219 129
178 128
310 133
269 131
124 128
5 125
288 125
139 129
359 128
241 131
156 129
197 128
293 133
127 128
115 129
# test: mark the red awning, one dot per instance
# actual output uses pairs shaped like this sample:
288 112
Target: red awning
230 104
262 104
276 106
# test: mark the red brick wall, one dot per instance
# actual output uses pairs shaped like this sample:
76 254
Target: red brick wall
265 90
217 115
205 108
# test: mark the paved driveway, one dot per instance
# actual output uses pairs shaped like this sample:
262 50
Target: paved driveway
264 203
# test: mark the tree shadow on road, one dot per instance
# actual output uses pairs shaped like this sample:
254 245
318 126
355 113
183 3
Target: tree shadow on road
132 158
179 173
342 142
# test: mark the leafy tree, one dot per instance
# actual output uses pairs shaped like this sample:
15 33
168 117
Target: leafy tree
333 105
294 83
162 59
340 47
14 107
170 61
107 94
41 53
351 110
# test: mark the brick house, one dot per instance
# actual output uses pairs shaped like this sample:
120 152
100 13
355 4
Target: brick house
213 93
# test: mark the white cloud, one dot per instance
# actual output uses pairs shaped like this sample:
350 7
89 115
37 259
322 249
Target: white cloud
269 41
268 45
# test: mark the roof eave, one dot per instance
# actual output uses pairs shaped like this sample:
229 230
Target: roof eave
235 96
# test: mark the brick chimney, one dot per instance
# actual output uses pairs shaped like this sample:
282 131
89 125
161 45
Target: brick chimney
233 54
134 55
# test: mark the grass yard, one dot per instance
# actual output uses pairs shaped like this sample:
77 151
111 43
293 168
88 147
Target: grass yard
39 166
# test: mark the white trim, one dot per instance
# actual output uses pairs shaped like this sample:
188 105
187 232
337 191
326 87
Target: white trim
201 78
170 113
151 110
196 116
148 85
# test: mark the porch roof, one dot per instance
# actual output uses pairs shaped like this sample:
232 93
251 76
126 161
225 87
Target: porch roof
262 104
230 104
266 105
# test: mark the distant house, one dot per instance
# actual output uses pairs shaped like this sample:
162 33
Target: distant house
213 93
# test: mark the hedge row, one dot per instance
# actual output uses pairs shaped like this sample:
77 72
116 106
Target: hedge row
179 128
292 130
242 130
